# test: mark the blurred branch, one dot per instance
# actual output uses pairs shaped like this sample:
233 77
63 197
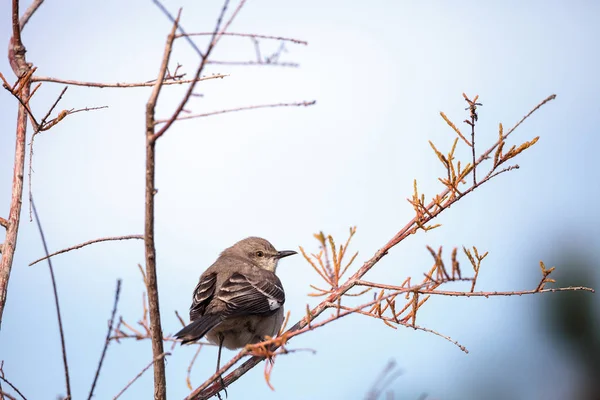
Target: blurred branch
389 374
79 246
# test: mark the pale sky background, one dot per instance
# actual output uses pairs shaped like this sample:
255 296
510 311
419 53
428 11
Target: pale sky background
381 72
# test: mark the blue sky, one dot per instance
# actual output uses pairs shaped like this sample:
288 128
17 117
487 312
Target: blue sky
381 72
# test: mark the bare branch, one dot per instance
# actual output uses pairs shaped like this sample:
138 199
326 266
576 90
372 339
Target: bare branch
159 357
29 12
192 85
19 65
79 246
13 387
55 290
208 114
248 35
107 341
251 63
121 85
513 293
160 385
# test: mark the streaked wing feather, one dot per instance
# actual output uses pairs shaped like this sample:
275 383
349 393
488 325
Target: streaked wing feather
203 294
245 295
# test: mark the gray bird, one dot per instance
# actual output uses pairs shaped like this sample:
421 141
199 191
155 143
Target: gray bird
239 299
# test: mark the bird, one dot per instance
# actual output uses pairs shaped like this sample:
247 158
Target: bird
238 300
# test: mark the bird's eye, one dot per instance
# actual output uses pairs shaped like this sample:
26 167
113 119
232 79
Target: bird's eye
259 254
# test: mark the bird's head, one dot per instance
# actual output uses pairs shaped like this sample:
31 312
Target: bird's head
259 252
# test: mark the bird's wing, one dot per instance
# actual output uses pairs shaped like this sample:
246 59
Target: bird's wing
203 294
254 294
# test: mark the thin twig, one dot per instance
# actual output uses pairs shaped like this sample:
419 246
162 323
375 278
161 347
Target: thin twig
250 63
107 340
13 387
192 85
79 246
37 130
249 35
208 114
159 357
188 379
515 293
55 290
124 84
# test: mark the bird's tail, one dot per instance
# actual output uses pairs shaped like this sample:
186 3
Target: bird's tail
197 329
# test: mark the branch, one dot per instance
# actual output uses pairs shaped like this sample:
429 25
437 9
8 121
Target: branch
165 81
248 35
55 290
79 246
3 378
424 215
29 12
188 94
160 384
158 358
208 114
514 293
107 340
19 65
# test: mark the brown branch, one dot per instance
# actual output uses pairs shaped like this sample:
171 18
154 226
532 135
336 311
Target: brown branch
13 387
160 384
4 395
36 131
79 246
250 63
188 379
19 65
159 357
107 340
513 293
434 208
55 290
152 83
248 35
208 114
155 135
29 12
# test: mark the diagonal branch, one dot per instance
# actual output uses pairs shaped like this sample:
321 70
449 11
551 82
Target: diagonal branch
79 246
107 341
55 290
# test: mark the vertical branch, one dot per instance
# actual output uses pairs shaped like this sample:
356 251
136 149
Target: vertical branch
16 55
160 383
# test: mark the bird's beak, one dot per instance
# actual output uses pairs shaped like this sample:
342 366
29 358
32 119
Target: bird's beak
285 253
